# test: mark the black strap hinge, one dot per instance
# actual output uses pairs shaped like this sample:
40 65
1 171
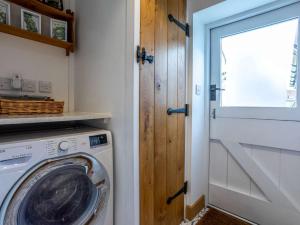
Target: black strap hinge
185 27
184 110
183 190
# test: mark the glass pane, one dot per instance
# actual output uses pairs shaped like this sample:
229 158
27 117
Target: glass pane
259 67
60 198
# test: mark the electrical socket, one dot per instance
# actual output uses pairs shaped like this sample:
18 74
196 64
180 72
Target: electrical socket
45 87
28 85
5 84
16 82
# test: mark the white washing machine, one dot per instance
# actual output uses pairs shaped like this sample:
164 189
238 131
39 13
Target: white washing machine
58 177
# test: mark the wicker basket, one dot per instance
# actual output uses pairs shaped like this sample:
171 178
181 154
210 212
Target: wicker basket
28 107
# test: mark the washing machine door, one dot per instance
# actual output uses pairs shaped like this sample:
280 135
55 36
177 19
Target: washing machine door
66 191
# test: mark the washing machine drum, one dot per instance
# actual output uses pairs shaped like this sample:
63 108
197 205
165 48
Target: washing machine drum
61 192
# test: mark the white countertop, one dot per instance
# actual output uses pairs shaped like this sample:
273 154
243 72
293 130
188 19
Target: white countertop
46 118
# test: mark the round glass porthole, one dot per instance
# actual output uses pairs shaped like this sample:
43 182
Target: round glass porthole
65 192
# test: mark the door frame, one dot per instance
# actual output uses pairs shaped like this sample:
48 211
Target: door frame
131 117
223 22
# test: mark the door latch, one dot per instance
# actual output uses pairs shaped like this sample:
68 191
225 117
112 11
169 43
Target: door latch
141 56
184 110
213 92
183 190
213 114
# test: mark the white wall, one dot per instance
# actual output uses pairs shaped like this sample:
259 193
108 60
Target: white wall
197 5
37 61
197 155
105 82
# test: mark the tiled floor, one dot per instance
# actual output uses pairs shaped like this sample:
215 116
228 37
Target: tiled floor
215 217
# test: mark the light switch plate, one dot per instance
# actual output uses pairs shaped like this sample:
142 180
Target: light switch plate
198 89
45 87
5 84
28 85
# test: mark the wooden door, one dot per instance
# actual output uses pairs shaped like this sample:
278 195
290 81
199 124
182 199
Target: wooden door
162 86
254 128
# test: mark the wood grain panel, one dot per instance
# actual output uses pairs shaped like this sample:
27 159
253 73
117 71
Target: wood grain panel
172 123
181 102
161 91
162 85
147 116
34 36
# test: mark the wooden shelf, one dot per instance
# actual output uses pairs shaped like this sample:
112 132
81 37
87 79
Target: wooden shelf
44 9
50 118
35 37
39 7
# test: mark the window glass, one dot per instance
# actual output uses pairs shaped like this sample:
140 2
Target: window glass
259 67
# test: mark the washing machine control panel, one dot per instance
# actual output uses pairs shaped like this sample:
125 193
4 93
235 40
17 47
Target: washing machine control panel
98 140
64 146
15 155
61 147
36 150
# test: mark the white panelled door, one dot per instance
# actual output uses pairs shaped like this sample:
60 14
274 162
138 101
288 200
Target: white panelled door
255 118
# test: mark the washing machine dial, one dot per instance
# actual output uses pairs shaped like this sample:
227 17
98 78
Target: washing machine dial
63 146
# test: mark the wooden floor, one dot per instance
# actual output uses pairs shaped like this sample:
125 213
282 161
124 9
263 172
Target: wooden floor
215 217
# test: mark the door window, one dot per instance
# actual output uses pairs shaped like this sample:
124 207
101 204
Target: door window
259 67
254 67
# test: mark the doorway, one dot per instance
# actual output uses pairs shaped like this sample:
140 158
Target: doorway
254 123
162 111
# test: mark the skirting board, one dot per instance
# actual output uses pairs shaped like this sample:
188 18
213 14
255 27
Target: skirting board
192 210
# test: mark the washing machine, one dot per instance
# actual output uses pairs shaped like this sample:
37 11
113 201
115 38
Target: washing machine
57 177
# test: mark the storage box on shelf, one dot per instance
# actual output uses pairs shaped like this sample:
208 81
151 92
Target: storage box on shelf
29 107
